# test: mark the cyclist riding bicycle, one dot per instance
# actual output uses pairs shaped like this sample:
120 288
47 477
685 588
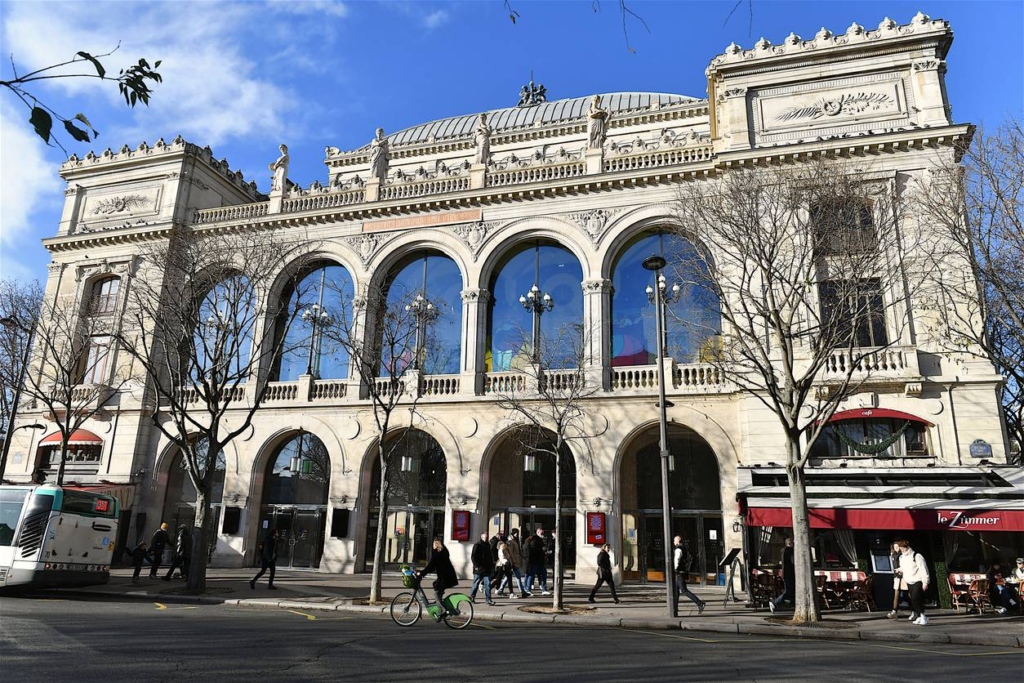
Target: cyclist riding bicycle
441 564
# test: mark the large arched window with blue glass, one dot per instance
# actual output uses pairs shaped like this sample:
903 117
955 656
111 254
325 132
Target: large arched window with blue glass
432 283
692 317
554 277
322 294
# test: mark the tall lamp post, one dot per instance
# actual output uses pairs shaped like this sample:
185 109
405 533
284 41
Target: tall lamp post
537 304
659 297
317 318
423 313
11 322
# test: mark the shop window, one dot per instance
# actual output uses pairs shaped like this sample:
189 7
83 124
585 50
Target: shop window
872 438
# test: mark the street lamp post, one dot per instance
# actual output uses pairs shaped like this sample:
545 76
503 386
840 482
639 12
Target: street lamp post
659 297
12 322
537 304
424 313
317 318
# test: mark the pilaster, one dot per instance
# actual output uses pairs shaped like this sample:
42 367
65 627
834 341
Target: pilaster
474 306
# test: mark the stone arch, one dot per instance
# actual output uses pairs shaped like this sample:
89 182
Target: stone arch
407 244
523 230
631 223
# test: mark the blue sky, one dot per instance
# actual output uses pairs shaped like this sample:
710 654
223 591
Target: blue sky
244 77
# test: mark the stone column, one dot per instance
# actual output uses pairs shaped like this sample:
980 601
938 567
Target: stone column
732 108
930 92
596 315
474 331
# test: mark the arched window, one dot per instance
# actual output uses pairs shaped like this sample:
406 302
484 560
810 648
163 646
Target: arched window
556 273
180 497
226 320
104 296
299 474
323 293
872 437
432 282
691 320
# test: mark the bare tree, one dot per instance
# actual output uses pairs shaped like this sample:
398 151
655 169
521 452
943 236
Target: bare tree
386 339
975 205
204 326
547 396
807 272
69 375
19 307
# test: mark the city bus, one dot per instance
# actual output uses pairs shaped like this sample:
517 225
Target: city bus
55 536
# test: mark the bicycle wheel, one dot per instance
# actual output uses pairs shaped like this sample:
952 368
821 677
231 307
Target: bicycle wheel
460 611
405 609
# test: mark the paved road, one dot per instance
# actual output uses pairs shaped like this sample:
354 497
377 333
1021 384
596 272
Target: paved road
108 640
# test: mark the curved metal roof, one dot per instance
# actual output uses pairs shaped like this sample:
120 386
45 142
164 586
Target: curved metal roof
549 112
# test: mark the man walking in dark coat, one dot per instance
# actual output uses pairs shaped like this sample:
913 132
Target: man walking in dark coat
268 560
157 548
483 567
604 573
182 553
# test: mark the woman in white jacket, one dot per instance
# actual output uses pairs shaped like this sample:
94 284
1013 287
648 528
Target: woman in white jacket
914 573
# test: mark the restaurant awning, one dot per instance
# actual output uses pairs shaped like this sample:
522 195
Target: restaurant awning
893 514
79 437
876 412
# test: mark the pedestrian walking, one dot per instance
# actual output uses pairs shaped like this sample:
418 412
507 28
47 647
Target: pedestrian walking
483 567
157 546
536 558
498 575
268 560
182 553
139 554
914 571
604 574
515 554
441 564
788 593
681 560
504 568
899 586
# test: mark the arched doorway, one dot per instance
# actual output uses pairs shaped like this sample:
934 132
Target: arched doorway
418 484
295 487
694 495
180 496
522 489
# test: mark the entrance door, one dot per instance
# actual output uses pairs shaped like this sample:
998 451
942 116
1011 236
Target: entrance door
528 520
300 534
644 544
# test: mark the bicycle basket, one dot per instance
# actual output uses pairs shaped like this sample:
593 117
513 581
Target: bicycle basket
408 576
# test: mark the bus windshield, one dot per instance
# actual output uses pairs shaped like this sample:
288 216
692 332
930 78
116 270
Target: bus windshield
12 501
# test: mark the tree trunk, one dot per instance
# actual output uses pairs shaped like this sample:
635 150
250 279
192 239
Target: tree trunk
202 532
63 459
806 598
378 547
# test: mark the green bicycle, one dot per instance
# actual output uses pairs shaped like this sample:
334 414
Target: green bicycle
407 607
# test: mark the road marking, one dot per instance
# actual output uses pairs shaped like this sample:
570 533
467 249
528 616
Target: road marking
486 626
942 652
162 606
303 614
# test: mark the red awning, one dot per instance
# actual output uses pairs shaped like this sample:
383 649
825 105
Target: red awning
859 413
79 437
948 518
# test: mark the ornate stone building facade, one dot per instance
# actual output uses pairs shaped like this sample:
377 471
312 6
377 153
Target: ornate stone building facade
569 195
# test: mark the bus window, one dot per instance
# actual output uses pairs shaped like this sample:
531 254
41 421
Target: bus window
88 504
12 501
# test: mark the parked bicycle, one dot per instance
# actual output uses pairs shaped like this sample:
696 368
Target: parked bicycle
407 607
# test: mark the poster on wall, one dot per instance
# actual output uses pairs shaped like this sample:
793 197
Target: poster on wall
595 528
460 525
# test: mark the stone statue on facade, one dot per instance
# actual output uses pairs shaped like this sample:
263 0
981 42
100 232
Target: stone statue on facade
597 124
531 94
483 141
279 171
379 156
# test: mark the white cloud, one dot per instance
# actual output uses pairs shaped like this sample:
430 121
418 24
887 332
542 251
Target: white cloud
435 19
212 89
28 182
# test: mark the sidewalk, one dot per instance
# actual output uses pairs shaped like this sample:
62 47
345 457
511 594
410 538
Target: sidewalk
641 607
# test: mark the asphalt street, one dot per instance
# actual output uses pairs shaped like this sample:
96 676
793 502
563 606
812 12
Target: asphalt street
81 640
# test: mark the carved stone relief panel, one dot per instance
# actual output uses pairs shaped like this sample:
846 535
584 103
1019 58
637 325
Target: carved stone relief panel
473 235
365 246
840 107
116 206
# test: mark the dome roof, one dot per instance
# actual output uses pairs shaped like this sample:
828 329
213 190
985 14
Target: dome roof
510 118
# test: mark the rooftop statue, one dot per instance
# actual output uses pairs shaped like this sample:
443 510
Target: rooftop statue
483 141
531 94
279 170
379 156
597 124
